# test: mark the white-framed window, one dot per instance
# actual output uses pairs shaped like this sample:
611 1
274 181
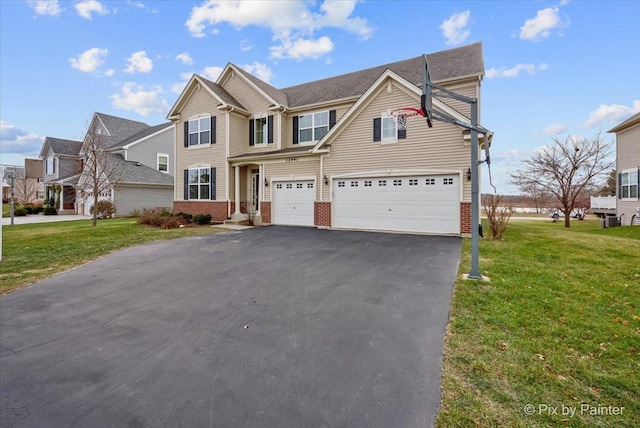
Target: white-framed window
430 181
629 184
199 183
261 130
397 182
50 165
340 183
163 162
413 182
278 186
382 183
312 127
447 181
389 129
199 131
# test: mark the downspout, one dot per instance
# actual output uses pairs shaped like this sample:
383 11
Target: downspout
227 128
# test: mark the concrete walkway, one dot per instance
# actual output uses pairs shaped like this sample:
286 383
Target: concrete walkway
39 218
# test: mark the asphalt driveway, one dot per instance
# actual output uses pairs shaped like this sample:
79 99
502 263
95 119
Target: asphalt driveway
267 327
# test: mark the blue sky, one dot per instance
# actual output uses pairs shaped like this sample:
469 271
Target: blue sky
554 68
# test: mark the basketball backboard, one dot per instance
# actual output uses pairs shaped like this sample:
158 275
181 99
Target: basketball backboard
426 100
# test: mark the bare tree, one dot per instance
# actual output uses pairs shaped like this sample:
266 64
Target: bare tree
498 213
566 168
102 170
26 190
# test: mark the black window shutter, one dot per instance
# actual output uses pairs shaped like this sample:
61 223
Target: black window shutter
186 134
295 130
332 118
186 184
402 133
212 178
377 129
619 185
213 129
270 129
251 132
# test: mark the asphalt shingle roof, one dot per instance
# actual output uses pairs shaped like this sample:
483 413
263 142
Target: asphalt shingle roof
120 129
135 172
221 92
144 133
64 147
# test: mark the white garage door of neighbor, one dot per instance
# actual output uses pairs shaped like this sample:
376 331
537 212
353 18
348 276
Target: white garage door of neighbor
411 204
292 202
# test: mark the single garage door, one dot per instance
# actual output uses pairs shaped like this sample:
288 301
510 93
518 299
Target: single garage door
412 204
292 202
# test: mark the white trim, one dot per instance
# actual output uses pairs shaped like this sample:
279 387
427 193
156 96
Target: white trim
197 119
397 173
313 113
246 79
265 137
294 177
636 184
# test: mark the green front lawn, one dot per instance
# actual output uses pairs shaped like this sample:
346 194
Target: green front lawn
32 252
557 328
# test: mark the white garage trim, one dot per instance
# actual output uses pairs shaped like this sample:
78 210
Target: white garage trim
424 203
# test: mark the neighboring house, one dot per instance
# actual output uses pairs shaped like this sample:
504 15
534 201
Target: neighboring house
18 174
34 173
327 153
140 162
628 170
62 165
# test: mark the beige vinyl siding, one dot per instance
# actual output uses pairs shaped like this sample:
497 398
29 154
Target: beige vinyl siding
201 102
467 89
438 148
302 167
254 102
287 130
628 157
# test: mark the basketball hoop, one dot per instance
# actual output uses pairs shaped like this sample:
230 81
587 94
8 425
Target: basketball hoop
403 114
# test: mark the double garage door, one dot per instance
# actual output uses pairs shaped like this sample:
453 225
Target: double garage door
428 204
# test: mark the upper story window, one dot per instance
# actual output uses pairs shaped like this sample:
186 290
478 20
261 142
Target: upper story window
199 131
261 130
389 129
311 127
50 165
628 187
163 162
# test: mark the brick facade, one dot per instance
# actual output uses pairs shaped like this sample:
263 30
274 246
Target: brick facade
265 211
322 214
218 210
465 218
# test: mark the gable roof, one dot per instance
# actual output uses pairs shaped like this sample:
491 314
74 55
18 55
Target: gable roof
217 91
275 94
119 128
60 146
142 134
633 120
221 92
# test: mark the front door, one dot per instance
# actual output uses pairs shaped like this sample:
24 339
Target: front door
254 191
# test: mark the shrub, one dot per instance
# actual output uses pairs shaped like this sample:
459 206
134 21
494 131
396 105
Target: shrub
49 210
104 209
201 219
20 212
186 217
497 214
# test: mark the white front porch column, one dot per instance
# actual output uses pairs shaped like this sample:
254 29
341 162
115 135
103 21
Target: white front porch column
257 219
237 215
62 198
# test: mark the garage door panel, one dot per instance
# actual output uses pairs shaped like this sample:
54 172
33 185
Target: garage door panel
292 203
414 204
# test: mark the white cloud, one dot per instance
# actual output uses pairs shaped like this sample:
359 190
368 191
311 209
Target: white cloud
541 26
15 140
87 7
514 71
137 4
139 62
455 29
212 73
90 60
185 58
134 97
177 88
261 71
245 45
553 129
302 48
109 72
614 113
291 22
46 7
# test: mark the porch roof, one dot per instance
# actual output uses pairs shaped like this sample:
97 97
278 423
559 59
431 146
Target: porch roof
307 150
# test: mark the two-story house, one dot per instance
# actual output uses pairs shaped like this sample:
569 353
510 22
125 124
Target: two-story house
62 165
328 153
139 159
628 170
